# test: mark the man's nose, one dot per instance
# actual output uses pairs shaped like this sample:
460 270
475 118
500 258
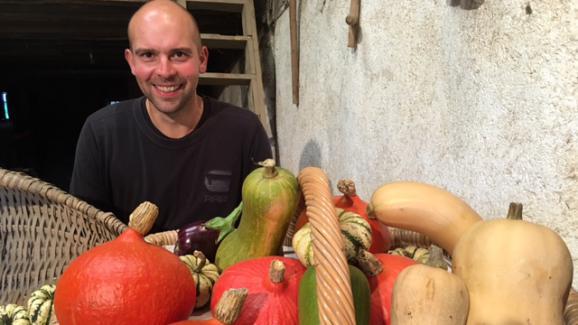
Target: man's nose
165 68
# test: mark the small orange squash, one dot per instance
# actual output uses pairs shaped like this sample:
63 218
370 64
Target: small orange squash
126 281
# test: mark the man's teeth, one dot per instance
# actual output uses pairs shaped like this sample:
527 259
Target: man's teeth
167 89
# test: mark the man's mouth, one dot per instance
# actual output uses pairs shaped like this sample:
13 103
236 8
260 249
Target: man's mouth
167 89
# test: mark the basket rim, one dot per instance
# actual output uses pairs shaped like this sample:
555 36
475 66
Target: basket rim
20 181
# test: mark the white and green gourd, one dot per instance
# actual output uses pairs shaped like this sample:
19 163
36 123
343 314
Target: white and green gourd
13 314
41 305
355 230
205 275
418 254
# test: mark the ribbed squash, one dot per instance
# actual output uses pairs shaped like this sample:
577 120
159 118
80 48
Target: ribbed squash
13 314
418 254
204 273
41 305
355 229
270 196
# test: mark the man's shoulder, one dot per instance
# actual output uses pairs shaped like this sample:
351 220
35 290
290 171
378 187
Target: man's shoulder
114 112
232 112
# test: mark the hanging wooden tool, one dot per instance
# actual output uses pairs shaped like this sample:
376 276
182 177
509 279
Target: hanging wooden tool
294 50
353 21
466 4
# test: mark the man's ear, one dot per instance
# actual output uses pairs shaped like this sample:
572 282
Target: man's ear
129 57
204 58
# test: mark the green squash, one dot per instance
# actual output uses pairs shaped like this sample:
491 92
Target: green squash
308 310
270 196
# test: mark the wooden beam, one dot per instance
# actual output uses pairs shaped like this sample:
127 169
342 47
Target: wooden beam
219 41
225 79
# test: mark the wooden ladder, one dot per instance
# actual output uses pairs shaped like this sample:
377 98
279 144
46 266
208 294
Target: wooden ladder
247 41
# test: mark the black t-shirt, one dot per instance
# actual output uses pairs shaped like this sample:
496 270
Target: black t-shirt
123 160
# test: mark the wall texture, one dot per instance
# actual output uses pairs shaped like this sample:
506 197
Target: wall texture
482 102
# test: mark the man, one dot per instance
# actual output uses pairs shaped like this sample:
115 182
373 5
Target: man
187 154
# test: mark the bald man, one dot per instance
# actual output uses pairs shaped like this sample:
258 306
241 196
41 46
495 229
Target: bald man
186 153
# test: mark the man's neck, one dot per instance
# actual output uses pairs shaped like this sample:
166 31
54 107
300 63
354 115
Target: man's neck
179 124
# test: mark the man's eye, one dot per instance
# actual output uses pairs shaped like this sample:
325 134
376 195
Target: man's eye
180 55
146 55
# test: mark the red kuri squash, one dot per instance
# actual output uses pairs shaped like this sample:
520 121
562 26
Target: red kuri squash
126 281
272 283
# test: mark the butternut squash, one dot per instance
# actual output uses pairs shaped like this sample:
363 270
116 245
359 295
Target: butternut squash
423 294
270 195
423 208
516 272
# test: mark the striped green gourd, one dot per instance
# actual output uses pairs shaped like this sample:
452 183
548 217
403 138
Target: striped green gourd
205 275
13 314
40 305
355 230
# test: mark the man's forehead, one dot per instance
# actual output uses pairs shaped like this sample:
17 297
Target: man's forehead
163 21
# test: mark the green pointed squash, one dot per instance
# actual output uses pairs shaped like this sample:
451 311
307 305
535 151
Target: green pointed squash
270 196
308 310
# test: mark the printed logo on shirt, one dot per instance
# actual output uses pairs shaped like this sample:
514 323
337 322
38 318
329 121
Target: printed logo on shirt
218 181
218 184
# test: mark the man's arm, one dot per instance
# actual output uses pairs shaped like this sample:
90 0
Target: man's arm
88 180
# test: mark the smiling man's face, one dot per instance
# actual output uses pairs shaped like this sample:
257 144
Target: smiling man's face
166 57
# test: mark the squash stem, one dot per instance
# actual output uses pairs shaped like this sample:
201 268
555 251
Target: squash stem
230 305
202 261
143 218
346 187
515 211
277 272
269 168
436 257
225 225
368 263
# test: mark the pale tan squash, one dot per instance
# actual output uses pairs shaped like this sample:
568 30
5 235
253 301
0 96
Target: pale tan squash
424 294
516 272
423 208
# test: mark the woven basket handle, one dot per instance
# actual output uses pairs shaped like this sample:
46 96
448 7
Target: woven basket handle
164 238
334 297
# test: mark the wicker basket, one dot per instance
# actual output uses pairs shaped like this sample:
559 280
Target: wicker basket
42 228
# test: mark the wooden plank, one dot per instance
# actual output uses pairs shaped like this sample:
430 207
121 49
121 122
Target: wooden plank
219 41
225 79
216 5
253 65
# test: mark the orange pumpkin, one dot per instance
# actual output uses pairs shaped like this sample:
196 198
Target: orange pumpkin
125 281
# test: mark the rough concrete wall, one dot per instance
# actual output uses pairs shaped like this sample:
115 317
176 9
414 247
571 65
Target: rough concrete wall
481 102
